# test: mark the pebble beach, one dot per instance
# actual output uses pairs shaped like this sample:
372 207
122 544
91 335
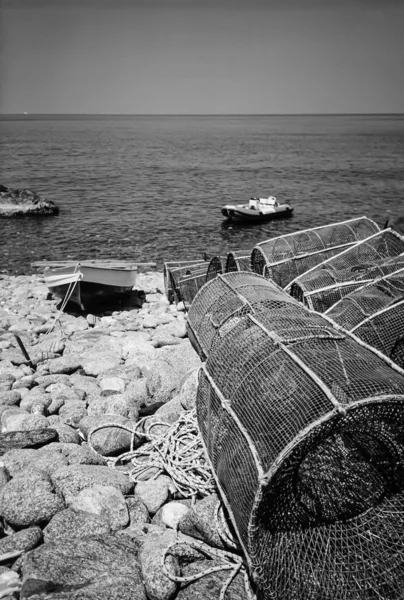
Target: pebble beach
74 524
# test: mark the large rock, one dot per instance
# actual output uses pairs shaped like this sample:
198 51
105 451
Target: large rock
153 493
199 522
21 541
70 480
25 439
209 586
88 568
117 404
28 499
71 523
105 501
108 440
158 585
22 202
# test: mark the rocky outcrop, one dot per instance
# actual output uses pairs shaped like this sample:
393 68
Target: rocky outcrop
22 202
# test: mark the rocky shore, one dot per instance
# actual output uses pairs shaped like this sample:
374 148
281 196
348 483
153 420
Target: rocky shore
74 524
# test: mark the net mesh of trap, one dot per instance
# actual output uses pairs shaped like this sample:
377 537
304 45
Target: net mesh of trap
284 258
186 280
303 426
238 260
326 284
216 267
169 279
375 314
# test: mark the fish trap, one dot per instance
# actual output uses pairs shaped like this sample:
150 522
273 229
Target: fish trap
220 305
173 266
187 280
238 260
324 285
216 267
375 314
284 258
303 426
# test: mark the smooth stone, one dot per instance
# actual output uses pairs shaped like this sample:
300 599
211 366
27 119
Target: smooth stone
21 541
172 512
117 404
138 512
65 433
153 494
64 364
162 380
72 413
16 461
137 392
71 523
94 365
126 372
70 480
47 380
74 454
11 397
25 439
92 568
199 522
158 585
105 501
27 501
38 400
24 422
188 390
116 385
108 440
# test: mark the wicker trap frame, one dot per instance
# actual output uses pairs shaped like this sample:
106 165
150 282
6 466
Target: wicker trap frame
304 428
375 314
238 260
169 279
185 281
324 285
284 258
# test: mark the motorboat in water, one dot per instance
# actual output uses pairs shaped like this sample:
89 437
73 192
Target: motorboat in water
90 283
257 209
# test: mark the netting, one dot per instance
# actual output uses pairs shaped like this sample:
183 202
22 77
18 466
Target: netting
324 285
304 429
173 266
185 281
216 267
375 314
238 260
284 258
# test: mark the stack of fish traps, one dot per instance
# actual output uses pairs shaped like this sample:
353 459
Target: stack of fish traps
375 314
284 258
324 285
303 425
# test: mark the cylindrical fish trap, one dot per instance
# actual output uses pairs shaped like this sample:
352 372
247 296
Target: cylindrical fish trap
216 267
173 265
187 280
375 314
303 426
238 260
324 285
221 304
286 257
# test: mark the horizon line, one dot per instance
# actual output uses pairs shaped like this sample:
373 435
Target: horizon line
97 114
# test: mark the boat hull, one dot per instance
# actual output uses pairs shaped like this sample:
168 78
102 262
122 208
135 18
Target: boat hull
235 213
89 287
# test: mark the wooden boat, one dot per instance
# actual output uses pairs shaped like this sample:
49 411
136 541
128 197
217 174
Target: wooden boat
257 209
90 283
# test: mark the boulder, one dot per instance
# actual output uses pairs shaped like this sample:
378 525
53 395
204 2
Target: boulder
70 480
88 568
199 522
105 501
24 202
109 440
21 541
158 585
71 523
153 493
26 439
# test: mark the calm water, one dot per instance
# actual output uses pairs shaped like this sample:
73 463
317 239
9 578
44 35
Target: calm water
151 188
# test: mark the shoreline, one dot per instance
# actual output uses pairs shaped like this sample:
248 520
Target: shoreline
64 503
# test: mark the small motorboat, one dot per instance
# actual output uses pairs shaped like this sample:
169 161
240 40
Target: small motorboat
90 283
257 209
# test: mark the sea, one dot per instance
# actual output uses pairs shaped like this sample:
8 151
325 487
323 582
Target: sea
151 188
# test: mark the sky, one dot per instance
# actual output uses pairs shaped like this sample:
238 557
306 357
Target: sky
201 56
